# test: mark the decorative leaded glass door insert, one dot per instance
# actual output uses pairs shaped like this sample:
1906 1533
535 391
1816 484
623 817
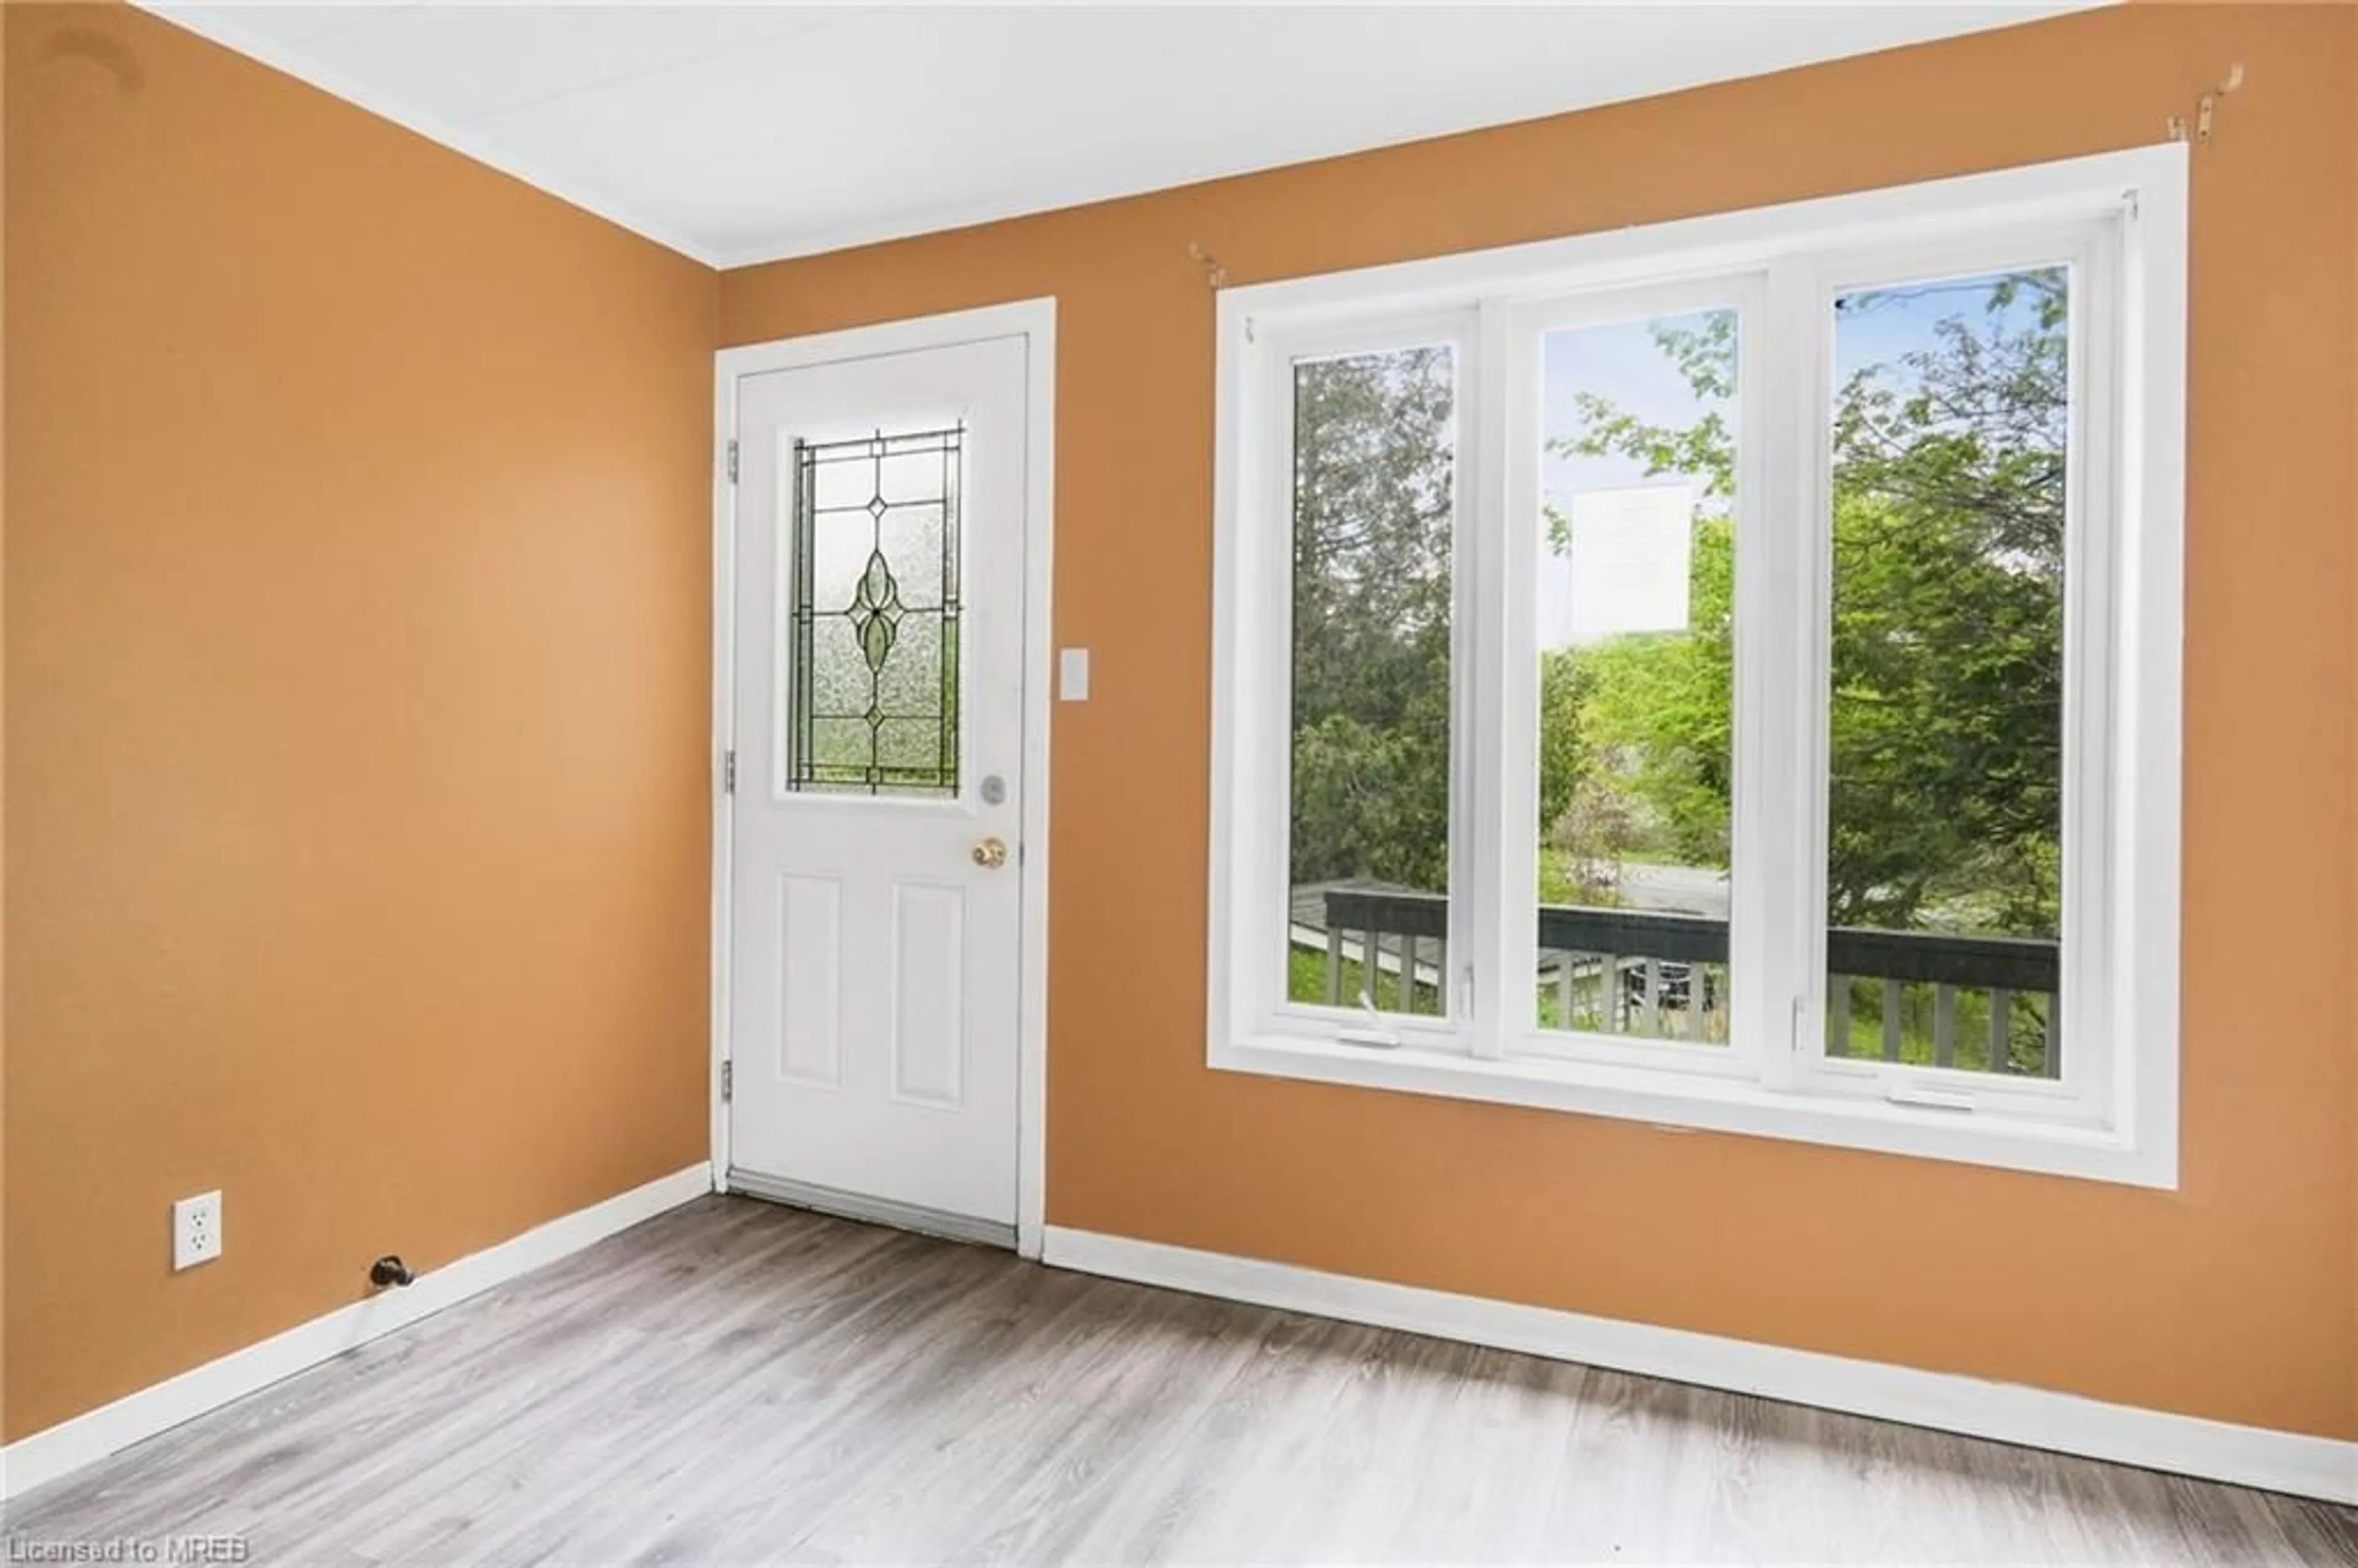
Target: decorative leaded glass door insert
874 694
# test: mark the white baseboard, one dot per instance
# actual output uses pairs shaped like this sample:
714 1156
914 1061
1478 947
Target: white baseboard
2038 1418
56 1450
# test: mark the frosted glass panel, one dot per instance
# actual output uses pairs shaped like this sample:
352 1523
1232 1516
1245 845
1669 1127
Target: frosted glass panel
872 700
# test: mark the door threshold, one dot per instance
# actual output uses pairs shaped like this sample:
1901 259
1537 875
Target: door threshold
872 1210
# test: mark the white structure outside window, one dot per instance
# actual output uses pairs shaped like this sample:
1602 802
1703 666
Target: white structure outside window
1722 673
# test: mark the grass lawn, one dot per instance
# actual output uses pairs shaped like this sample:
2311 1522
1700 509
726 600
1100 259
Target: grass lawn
1305 980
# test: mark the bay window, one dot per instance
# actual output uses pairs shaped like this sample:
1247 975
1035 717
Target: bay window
1723 674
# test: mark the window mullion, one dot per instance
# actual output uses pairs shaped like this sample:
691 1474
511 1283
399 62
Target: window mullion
1484 810
1778 932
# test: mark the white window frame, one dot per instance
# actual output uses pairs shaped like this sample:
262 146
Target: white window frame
2119 220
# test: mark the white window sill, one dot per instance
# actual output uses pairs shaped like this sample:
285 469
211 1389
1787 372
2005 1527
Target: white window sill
1683 1101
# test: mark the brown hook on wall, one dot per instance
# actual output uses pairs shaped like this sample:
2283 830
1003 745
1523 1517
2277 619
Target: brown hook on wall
2205 108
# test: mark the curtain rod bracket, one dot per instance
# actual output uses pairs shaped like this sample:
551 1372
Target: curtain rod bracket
2206 108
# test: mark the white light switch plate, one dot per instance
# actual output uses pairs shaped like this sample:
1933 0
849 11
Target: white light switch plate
196 1230
1073 674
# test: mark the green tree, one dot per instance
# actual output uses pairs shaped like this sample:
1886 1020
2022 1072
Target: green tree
1947 541
1658 720
1567 684
1372 502
1948 627
1947 619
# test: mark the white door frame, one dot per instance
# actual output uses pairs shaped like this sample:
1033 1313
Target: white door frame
1035 321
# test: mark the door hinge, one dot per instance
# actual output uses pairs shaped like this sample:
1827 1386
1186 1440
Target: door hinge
729 773
732 459
728 1080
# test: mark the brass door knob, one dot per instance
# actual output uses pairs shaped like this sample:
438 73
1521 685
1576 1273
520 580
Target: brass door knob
990 853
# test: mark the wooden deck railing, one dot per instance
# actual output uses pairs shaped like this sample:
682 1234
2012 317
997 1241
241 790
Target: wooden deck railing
1978 1003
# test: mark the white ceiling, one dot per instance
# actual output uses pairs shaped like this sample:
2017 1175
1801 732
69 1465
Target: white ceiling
743 133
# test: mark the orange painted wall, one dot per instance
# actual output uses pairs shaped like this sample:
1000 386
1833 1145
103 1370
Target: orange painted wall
2351 130
357 663
2231 1298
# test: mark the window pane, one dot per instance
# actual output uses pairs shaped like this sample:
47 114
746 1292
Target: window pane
1946 746
872 701
1636 616
1375 441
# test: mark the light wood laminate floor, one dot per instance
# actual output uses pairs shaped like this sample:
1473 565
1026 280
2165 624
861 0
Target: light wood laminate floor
743 1384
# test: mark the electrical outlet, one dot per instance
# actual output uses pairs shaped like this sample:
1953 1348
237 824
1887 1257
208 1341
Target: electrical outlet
196 1230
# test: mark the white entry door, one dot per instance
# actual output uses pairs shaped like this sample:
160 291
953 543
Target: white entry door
877 875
